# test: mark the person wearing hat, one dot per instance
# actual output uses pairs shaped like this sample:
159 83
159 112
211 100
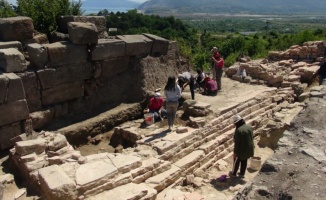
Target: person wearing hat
184 79
243 146
155 106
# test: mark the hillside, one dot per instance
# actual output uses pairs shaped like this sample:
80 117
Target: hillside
110 3
235 6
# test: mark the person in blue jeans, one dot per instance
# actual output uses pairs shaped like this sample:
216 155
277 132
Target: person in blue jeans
172 94
184 79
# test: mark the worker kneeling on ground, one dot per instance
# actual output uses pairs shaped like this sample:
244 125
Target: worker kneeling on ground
155 106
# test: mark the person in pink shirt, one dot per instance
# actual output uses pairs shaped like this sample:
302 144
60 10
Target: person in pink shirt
210 87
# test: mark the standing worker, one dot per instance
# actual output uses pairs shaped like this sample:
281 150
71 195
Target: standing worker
184 79
243 146
172 94
219 64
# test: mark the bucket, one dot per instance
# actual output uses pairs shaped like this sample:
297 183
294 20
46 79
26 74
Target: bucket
149 118
255 163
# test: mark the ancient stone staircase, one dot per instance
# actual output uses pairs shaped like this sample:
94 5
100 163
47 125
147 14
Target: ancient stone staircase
61 172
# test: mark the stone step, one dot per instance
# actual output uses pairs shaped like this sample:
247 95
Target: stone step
130 191
162 180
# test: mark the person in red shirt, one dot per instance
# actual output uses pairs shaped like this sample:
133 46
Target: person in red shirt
210 87
155 106
219 64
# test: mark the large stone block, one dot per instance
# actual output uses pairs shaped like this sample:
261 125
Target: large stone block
93 174
16 28
62 53
13 112
40 38
7 133
15 88
12 60
30 146
47 78
112 67
38 55
108 48
56 184
136 44
32 90
13 44
160 45
62 93
99 21
74 72
82 33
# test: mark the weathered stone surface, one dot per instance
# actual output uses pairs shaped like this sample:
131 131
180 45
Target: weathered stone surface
42 118
12 44
30 146
160 45
62 93
12 60
56 184
4 81
114 66
161 181
190 159
130 191
32 90
73 72
7 133
58 37
136 44
16 28
82 33
125 163
62 53
58 142
15 88
47 78
109 48
93 174
15 111
38 55
99 21
39 38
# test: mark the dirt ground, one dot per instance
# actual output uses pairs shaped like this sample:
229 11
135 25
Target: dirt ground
297 169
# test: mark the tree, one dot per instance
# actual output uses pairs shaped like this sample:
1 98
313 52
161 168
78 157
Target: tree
6 10
45 13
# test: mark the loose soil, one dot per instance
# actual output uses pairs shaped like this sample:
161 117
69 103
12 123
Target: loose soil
300 172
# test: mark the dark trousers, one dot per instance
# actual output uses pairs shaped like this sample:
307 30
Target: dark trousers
236 165
219 73
192 87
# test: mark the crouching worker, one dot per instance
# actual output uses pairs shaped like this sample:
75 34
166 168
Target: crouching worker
210 87
155 106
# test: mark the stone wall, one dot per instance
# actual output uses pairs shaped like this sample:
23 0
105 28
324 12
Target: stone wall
88 74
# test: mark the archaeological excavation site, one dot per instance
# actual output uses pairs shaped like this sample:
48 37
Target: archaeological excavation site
72 123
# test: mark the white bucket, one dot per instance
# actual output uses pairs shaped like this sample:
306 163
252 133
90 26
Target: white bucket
149 118
255 163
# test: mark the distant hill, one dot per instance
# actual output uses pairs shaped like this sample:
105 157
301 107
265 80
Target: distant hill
110 3
235 6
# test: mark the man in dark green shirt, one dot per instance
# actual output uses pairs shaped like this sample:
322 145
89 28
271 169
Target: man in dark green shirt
243 146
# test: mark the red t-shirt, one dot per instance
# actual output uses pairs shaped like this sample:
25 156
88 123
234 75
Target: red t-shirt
210 85
155 103
220 63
